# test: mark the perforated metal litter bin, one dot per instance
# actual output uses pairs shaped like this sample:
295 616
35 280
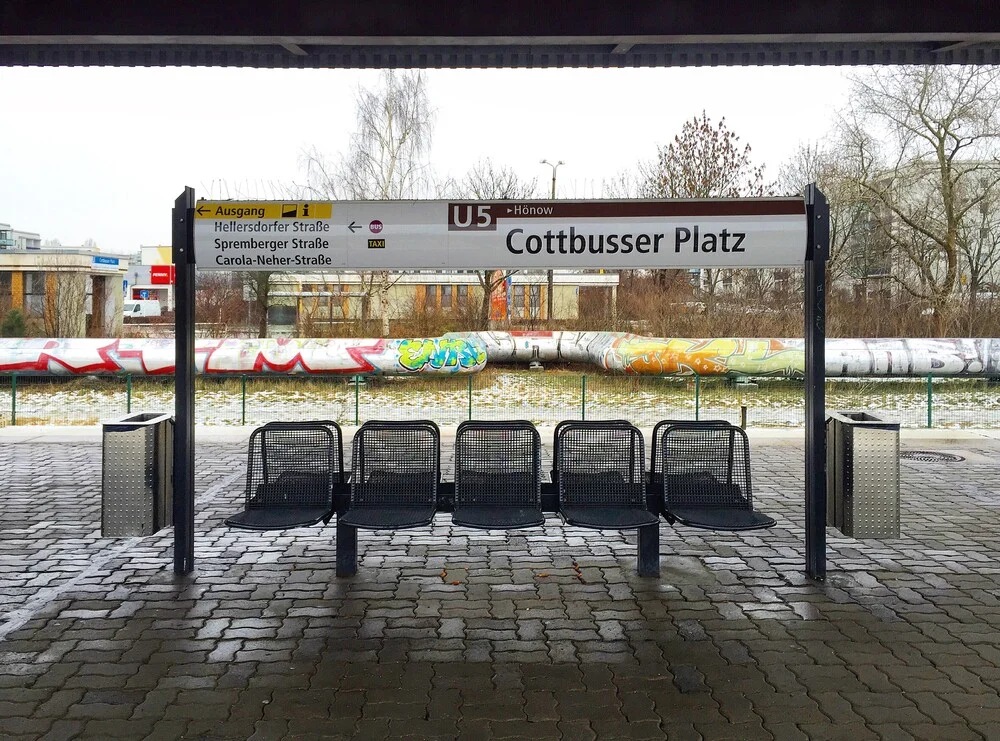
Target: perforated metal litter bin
137 470
862 475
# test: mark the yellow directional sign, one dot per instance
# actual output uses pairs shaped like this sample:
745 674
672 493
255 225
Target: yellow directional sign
249 210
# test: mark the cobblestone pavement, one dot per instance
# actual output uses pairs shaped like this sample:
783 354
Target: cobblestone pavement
452 633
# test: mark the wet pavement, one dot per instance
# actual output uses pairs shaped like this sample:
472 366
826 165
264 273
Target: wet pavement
452 633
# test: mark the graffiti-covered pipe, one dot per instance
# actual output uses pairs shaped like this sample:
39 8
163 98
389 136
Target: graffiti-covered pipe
634 354
462 353
439 355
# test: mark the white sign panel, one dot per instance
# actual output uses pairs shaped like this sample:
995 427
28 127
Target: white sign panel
398 235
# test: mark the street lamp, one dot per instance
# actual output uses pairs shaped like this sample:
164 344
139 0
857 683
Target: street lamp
548 295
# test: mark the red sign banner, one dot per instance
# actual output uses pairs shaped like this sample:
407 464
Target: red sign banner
161 275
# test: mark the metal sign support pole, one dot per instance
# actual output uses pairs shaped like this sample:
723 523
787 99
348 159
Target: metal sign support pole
183 484
817 252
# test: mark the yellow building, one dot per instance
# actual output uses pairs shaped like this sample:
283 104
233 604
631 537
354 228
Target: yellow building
300 302
71 292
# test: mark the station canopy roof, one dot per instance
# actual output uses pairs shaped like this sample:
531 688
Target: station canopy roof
515 33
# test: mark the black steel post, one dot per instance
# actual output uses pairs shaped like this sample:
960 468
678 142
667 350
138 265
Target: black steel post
347 550
817 252
183 486
648 555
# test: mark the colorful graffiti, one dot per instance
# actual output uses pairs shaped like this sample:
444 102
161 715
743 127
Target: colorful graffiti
442 354
647 356
463 353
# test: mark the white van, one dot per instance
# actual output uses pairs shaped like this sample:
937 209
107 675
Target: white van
140 308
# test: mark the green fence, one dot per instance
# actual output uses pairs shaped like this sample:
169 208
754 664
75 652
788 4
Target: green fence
541 397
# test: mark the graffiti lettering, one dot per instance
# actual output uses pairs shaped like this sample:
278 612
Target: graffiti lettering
447 354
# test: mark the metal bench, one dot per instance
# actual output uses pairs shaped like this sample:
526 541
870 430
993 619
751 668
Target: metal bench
292 468
395 470
599 469
395 478
704 471
600 474
498 475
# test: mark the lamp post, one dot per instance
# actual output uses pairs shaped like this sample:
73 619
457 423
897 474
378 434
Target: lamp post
549 280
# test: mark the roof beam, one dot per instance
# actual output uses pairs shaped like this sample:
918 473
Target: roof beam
293 48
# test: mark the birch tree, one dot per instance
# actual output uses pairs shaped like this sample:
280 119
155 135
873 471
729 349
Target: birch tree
386 159
486 181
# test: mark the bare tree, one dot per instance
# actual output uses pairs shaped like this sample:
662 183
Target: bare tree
387 159
486 181
260 285
852 253
923 145
979 244
705 160
64 310
219 301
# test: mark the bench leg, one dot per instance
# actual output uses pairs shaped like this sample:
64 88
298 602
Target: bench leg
347 550
648 551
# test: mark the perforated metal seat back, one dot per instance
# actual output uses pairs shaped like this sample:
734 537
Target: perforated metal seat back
705 467
293 465
600 464
396 464
497 464
660 429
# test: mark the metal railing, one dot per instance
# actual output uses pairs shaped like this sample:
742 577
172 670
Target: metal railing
542 397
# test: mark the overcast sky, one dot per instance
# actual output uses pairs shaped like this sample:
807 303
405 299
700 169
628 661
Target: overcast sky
102 153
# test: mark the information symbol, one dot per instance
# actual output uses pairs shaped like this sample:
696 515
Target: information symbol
375 226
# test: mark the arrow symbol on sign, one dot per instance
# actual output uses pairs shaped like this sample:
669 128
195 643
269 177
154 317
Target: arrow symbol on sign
353 227
202 210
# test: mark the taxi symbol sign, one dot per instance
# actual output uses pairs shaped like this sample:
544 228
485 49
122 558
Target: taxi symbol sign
376 244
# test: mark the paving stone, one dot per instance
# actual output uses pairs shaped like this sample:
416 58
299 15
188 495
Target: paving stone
732 640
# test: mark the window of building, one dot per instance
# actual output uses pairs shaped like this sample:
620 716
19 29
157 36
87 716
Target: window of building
446 298
463 296
535 302
6 292
34 294
431 302
517 302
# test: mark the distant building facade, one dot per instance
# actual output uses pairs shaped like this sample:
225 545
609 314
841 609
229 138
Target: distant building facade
72 292
304 302
13 239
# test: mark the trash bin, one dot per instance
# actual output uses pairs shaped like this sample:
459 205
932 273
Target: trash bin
137 474
862 475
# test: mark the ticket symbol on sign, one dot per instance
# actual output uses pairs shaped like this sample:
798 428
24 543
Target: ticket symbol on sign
289 210
376 244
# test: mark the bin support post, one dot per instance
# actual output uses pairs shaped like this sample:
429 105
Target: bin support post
128 394
470 396
697 397
583 397
184 359
13 399
243 399
817 251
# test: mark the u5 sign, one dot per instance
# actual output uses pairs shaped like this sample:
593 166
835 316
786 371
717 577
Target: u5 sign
363 235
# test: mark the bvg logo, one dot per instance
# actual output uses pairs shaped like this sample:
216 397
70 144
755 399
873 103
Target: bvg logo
465 216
